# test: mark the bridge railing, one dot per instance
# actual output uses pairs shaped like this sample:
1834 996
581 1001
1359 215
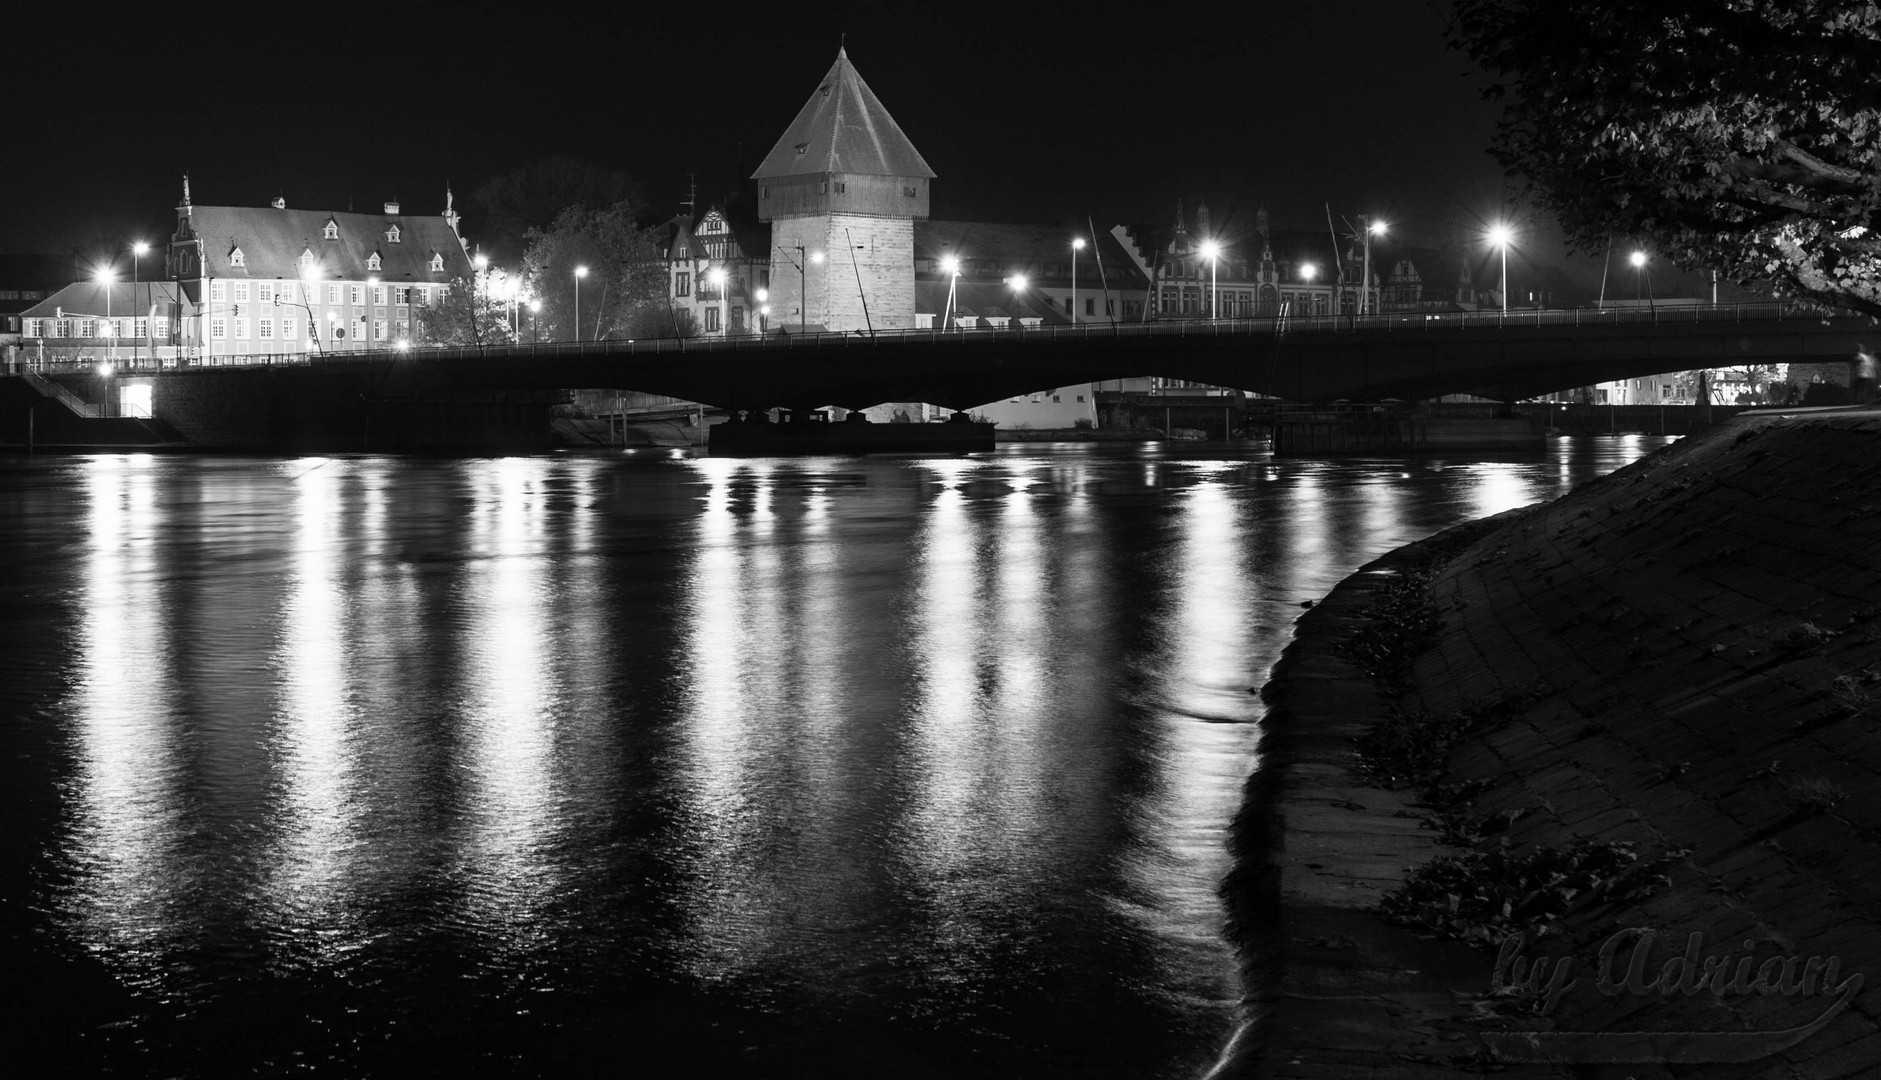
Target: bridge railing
1280 325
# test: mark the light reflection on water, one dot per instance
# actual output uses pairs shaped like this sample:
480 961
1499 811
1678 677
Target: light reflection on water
921 762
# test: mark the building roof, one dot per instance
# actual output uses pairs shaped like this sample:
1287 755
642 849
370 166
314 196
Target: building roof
1043 252
271 240
843 128
87 300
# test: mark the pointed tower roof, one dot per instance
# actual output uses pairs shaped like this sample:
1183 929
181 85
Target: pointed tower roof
843 128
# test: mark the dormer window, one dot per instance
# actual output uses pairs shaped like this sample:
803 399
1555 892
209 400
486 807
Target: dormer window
372 261
332 230
437 263
802 147
391 235
236 258
306 257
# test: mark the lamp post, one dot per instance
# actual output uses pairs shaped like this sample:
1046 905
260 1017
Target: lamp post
535 312
1307 272
1212 252
951 267
105 277
137 250
716 276
1500 235
763 296
1077 245
1017 283
1371 229
1640 273
580 272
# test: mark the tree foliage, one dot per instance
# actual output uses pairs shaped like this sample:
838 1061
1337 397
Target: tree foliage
1735 135
474 312
533 195
624 293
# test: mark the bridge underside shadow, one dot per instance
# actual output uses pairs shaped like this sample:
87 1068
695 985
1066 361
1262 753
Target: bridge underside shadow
964 371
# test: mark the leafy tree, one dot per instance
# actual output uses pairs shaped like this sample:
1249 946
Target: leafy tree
624 293
1739 135
470 313
533 195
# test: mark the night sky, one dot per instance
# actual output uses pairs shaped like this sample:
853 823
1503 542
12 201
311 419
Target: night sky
1034 114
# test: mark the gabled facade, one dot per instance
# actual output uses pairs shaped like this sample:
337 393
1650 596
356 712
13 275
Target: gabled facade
841 190
716 240
270 280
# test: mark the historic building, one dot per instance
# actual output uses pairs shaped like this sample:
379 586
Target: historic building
697 249
841 190
265 280
1262 274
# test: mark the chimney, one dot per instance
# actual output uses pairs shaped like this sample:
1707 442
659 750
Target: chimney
391 209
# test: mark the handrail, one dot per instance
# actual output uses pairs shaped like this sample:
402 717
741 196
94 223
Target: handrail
66 397
1264 326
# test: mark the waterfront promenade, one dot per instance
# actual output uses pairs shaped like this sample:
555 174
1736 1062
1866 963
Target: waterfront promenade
1691 653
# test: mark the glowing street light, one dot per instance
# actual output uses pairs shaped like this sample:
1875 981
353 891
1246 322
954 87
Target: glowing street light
105 277
535 310
1500 235
1640 273
137 251
1212 252
1371 229
1017 283
716 276
580 272
951 267
1077 245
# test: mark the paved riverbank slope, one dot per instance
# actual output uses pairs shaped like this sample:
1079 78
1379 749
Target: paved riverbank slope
1688 655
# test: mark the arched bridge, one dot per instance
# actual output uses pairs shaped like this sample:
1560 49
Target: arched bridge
1406 356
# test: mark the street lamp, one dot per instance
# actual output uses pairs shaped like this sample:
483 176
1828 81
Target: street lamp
105 277
1077 245
762 296
1371 228
535 311
1307 273
309 277
1640 273
951 267
716 276
1500 235
1017 282
1212 252
137 250
580 272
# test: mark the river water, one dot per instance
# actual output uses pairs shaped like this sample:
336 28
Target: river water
565 765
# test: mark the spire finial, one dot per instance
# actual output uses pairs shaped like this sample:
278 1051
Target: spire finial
185 189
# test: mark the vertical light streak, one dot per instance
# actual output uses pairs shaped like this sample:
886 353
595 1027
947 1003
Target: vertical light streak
133 871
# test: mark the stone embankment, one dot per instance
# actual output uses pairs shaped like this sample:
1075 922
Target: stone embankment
1684 657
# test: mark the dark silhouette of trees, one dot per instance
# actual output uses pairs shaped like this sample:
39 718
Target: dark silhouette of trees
1735 135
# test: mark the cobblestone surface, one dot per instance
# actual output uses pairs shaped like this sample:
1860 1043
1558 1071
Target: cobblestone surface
1698 638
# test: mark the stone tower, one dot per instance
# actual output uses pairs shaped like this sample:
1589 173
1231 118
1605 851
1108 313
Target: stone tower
845 184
